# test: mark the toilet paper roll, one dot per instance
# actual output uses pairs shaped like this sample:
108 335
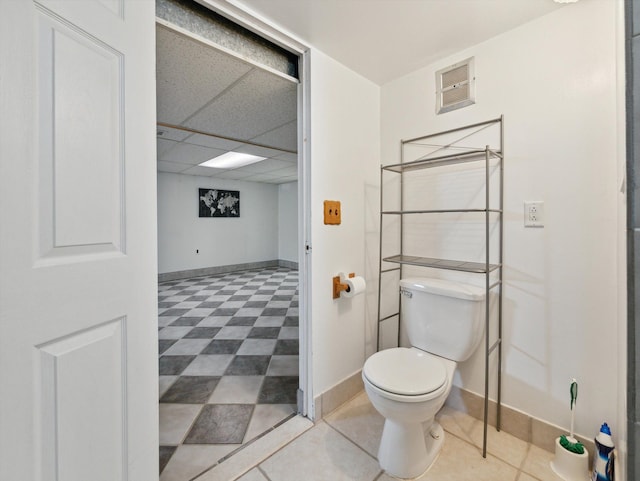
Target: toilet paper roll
357 285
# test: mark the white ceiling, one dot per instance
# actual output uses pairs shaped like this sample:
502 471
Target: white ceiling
202 89
386 39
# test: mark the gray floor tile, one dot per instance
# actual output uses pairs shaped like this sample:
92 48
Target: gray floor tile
248 366
186 321
173 365
257 347
208 365
233 332
283 366
242 321
164 344
223 346
279 390
165 455
237 390
287 346
202 333
187 347
190 390
173 332
220 424
264 333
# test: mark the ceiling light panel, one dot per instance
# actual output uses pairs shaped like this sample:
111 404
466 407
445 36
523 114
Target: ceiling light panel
232 160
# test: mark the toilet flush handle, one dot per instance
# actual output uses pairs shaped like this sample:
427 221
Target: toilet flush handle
406 292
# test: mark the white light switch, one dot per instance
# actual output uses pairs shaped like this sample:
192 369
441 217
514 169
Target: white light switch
533 213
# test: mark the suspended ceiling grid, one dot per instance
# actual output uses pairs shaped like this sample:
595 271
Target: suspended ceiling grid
201 88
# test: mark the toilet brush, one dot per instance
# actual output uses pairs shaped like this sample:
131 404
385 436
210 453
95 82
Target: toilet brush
571 460
570 443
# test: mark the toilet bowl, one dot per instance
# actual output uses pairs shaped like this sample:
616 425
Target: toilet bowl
408 387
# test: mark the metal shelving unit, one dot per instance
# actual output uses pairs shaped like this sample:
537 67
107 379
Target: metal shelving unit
438 158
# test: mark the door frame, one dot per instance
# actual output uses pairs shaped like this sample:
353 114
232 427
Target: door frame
251 21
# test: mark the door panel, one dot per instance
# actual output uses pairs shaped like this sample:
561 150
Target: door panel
78 275
81 164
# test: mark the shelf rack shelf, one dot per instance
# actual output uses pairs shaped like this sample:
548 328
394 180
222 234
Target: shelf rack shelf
492 271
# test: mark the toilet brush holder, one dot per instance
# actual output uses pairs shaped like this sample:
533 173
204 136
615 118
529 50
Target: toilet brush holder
570 466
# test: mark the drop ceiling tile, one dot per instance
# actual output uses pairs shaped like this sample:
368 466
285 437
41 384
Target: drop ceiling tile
171 167
265 166
287 157
213 142
164 145
284 137
260 151
286 172
285 180
253 106
171 134
235 174
189 74
202 171
190 154
261 177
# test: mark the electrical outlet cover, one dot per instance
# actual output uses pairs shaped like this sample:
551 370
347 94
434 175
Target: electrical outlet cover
533 213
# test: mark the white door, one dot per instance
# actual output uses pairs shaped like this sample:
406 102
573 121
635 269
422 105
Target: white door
78 362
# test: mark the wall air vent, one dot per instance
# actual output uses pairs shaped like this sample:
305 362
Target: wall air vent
455 86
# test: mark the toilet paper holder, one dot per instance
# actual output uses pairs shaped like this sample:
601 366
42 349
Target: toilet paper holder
338 286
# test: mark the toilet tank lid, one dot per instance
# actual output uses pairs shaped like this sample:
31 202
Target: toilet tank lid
444 287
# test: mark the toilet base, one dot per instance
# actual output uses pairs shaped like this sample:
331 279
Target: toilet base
407 451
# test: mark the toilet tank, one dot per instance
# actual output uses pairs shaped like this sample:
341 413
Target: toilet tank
443 317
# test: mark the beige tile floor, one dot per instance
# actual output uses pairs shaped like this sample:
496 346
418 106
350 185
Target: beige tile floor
343 447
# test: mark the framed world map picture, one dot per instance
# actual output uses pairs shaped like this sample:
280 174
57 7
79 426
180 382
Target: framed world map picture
218 203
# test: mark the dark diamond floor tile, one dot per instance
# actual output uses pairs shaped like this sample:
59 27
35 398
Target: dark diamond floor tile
225 311
164 344
190 390
186 321
166 305
210 304
174 365
226 293
286 347
202 333
165 455
264 333
220 424
197 298
248 366
291 321
175 312
281 298
240 298
279 390
274 311
222 346
242 321
256 304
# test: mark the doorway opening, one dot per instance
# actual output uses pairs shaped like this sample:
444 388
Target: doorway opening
231 355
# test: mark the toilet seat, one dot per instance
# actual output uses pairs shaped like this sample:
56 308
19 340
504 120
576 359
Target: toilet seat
406 373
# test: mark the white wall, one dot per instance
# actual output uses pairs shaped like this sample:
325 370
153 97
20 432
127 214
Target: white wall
345 157
554 79
288 222
253 237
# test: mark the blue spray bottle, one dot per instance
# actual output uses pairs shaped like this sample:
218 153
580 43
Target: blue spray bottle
603 457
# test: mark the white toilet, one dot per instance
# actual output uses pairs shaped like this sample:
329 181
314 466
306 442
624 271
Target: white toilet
444 321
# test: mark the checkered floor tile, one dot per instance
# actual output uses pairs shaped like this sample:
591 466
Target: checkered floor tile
228 347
